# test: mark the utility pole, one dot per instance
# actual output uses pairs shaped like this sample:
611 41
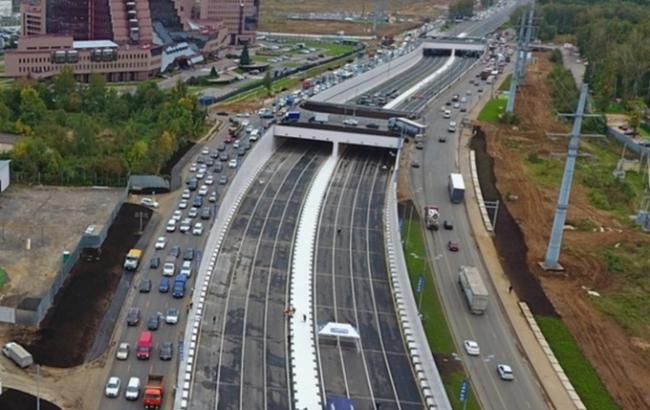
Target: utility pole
555 240
523 40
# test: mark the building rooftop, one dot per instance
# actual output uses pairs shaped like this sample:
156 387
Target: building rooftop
94 44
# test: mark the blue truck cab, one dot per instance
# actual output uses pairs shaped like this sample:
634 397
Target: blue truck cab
178 291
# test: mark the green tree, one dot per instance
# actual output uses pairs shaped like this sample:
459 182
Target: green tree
461 8
245 58
268 81
95 94
32 108
213 72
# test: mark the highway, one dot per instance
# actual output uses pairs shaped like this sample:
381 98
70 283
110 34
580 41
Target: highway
492 331
352 287
243 351
155 302
405 80
422 97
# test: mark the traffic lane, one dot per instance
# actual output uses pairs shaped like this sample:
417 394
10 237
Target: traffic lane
480 329
151 305
207 387
290 194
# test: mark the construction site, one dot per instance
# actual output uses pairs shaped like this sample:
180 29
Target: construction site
602 292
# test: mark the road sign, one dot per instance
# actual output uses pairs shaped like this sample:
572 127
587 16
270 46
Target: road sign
420 284
463 390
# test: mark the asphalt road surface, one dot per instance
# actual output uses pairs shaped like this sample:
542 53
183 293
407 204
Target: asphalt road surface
492 331
242 359
406 80
352 287
155 302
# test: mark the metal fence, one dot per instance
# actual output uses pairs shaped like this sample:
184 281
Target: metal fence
69 179
32 313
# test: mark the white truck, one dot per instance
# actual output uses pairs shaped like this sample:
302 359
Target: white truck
18 354
431 217
474 289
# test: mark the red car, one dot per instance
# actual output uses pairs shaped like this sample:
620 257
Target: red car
452 246
228 139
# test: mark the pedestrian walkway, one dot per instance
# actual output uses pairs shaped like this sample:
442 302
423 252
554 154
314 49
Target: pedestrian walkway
304 363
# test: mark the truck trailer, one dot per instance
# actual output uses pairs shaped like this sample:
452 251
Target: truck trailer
153 392
291 117
456 188
474 289
18 354
132 259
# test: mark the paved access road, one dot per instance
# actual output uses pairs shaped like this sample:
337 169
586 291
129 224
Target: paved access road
155 302
242 359
351 286
492 331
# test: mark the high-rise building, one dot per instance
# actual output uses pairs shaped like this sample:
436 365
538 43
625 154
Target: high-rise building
240 17
32 14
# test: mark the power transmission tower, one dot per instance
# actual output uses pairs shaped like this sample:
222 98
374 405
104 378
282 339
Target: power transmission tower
523 41
555 240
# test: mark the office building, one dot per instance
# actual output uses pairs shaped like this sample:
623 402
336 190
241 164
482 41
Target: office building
240 17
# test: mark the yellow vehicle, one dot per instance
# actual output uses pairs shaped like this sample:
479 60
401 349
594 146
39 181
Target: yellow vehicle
132 259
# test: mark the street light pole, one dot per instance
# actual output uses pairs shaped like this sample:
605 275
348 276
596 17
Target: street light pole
38 392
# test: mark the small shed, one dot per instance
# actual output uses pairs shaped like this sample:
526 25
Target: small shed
4 174
147 184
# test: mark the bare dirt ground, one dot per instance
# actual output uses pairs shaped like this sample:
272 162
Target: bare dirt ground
618 358
274 12
54 218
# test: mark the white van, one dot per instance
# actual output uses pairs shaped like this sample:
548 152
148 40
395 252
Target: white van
255 134
132 391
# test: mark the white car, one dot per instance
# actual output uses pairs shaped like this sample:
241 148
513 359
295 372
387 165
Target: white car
132 391
249 129
233 163
113 387
255 134
471 347
177 215
171 225
209 180
172 316
169 269
193 167
200 174
149 202
203 191
456 105
505 372
244 114
205 151
186 194
186 268
351 121
182 204
161 242
186 225
235 144
198 229
122 352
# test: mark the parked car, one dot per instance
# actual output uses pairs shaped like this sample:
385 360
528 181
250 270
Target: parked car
171 225
154 322
166 351
149 202
145 286
112 387
186 194
171 317
133 316
182 204
122 352
164 285
161 242
154 262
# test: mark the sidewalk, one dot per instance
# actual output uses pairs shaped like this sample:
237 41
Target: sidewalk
538 361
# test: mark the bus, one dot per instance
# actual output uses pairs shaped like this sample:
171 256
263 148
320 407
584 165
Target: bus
406 126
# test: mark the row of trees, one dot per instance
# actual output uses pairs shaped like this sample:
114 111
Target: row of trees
465 8
614 35
70 129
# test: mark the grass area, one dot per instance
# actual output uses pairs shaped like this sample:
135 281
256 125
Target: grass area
615 108
582 375
644 130
546 172
434 320
3 277
495 107
505 86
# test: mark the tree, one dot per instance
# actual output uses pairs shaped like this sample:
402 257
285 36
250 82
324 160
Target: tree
268 81
461 9
32 108
214 73
245 58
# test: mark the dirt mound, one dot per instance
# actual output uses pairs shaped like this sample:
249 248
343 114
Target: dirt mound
69 328
619 359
